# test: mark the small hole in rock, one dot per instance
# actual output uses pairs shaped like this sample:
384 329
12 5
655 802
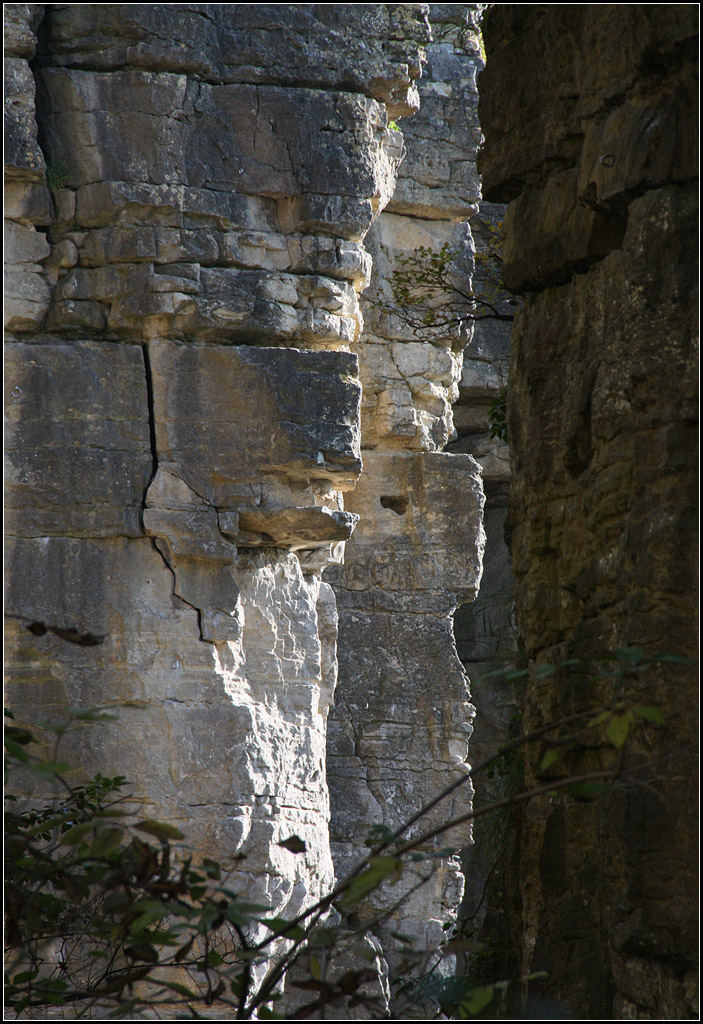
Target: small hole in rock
398 504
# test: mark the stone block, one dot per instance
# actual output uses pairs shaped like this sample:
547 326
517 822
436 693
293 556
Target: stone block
23 244
226 416
420 525
23 158
377 49
27 201
27 298
294 528
87 476
135 127
550 235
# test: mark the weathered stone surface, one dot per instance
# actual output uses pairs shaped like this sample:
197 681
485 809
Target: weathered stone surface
27 297
20 22
86 477
374 50
485 629
228 418
402 718
23 158
256 160
27 203
26 289
184 450
420 527
592 143
248 767
438 178
604 56
409 383
296 528
601 419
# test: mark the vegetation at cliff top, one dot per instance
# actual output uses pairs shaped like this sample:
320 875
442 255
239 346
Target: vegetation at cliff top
110 914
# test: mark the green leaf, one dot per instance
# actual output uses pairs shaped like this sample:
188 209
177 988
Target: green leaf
653 715
182 990
19 735
315 968
552 756
150 912
76 834
49 769
619 727
599 719
106 840
281 928
477 1000
631 655
183 952
16 750
212 868
586 789
19 979
142 951
380 869
160 829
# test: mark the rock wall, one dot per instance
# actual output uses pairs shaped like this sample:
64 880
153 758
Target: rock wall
402 718
188 193
194 195
599 168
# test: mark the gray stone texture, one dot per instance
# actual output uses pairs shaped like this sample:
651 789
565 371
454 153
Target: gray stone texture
191 403
26 288
402 717
600 171
192 222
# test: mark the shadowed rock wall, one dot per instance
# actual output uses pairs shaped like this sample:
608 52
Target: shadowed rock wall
589 114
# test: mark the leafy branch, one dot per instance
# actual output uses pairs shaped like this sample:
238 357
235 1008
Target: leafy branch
432 296
110 914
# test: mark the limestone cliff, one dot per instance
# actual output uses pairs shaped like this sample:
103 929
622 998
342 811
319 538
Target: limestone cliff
198 421
402 718
589 116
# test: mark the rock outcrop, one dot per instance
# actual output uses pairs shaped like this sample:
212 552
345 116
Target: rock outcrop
193 198
188 197
402 718
600 174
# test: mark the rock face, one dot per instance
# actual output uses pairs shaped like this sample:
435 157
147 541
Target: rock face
402 718
185 253
599 172
193 199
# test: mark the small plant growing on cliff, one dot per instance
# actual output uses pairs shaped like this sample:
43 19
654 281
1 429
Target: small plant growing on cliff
498 416
56 176
432 294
